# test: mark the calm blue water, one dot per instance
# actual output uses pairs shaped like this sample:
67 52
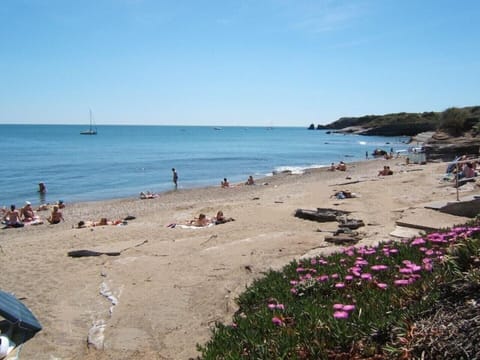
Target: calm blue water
121 161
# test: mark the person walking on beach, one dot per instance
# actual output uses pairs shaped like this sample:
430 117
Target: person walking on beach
175 177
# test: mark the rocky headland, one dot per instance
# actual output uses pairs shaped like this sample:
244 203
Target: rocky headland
444 135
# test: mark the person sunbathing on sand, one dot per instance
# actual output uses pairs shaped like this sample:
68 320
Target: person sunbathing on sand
12 218
105 221
341 166
225 183
148 195
250 181
385 172
201 221
56 216
221 219
27 212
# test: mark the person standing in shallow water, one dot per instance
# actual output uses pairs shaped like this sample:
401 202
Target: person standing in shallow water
175 177
42 189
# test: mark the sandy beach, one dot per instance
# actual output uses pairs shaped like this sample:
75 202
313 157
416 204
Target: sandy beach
159 298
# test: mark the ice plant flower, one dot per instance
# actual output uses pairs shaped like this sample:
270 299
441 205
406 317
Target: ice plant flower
418 241
277 321
379 267
340 314
322 278
337 306
401 282
366 276
348 307
340 285
382 285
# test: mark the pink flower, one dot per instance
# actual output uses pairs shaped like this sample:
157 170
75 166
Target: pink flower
340 314
348 307
382 285
366 276
428 266
271 306
348 277
379 267
334 276
418 241
340 285
277 321
322 278
401 282
280 307
349 253
361 262
337 306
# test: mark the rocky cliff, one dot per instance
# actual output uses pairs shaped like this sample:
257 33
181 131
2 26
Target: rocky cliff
441 146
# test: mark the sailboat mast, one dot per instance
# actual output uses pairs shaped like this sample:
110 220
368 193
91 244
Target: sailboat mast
90 120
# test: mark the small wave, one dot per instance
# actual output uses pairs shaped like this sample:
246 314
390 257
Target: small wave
297 170
362 142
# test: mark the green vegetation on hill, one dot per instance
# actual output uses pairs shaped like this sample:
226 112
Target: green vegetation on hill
454 121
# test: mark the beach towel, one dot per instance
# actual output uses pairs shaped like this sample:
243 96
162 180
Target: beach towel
189 226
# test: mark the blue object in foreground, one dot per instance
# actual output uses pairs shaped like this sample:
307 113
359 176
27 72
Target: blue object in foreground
15 312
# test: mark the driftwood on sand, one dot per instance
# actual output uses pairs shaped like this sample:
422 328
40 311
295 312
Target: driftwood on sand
86 253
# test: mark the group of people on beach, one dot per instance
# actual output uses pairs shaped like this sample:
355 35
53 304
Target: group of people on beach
202 220
340 167
15 218
226 184
462 169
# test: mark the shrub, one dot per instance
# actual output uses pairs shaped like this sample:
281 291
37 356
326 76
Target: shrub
452 121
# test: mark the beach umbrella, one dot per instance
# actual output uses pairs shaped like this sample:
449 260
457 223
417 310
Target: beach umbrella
15 312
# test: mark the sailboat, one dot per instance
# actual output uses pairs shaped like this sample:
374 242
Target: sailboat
92 130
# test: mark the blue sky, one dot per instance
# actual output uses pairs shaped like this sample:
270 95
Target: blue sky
242 62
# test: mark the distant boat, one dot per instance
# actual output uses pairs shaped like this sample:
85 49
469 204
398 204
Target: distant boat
92 130
217 128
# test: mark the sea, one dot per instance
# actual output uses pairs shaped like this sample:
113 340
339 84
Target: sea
122 161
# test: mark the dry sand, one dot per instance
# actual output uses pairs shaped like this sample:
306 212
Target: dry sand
160 297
